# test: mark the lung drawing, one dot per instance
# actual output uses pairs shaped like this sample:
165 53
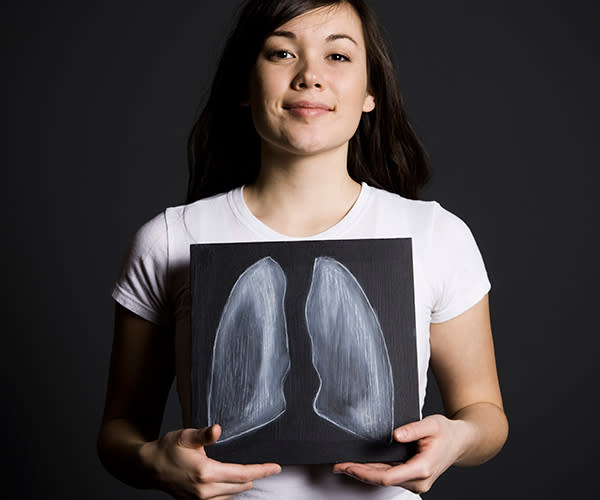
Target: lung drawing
349 353
250 354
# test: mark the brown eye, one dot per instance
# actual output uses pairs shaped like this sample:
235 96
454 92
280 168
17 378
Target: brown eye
280 54
338 58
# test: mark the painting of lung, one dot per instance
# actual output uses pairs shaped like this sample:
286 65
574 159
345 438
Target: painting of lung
304 351
248 370
347 340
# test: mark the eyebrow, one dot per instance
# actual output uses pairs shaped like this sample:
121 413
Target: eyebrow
330 38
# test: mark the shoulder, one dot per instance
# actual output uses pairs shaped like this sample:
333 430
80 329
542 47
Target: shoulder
151 237
155 231
451 234
437 233
418 216
211 203
189 217
429 212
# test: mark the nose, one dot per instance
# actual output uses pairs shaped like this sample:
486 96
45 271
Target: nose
308 76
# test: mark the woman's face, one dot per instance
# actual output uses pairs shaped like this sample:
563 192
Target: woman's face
308 88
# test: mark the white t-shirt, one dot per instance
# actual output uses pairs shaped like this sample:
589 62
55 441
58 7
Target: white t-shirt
449 278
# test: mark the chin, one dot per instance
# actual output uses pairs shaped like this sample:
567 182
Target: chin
310 150
306 149
310 146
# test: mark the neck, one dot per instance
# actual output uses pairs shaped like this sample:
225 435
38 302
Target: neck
302 194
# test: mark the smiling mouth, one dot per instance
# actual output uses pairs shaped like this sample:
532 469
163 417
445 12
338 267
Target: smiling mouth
307 109
308 105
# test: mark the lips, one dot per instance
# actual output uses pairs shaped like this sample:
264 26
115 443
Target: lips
307 108
308 105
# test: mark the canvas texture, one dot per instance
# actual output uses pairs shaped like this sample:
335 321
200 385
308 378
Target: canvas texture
448 271
304 351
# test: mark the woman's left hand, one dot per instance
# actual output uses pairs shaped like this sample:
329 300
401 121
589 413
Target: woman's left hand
440 443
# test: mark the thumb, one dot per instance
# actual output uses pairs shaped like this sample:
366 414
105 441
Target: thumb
416 430
197 438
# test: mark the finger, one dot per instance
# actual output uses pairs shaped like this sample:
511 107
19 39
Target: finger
397 475
221 497
416 430
237 473
341 467
222 490
196 438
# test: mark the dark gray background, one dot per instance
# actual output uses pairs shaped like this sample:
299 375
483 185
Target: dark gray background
100 97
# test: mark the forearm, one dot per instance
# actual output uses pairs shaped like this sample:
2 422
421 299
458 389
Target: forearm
484 429
124 452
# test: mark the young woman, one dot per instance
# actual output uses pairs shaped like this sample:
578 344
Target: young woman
303 137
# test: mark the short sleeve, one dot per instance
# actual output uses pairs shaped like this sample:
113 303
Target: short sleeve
142 283
456 267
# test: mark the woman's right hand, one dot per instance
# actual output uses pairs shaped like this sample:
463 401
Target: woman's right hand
185 471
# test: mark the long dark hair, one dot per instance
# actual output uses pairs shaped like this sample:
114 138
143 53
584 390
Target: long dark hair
224 147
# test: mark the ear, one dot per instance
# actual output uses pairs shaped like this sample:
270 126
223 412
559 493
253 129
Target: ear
369 104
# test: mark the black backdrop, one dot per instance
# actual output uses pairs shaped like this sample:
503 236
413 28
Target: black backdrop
100 97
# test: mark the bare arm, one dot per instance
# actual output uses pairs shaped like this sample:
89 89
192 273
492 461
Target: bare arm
475 428
464 365
141 373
